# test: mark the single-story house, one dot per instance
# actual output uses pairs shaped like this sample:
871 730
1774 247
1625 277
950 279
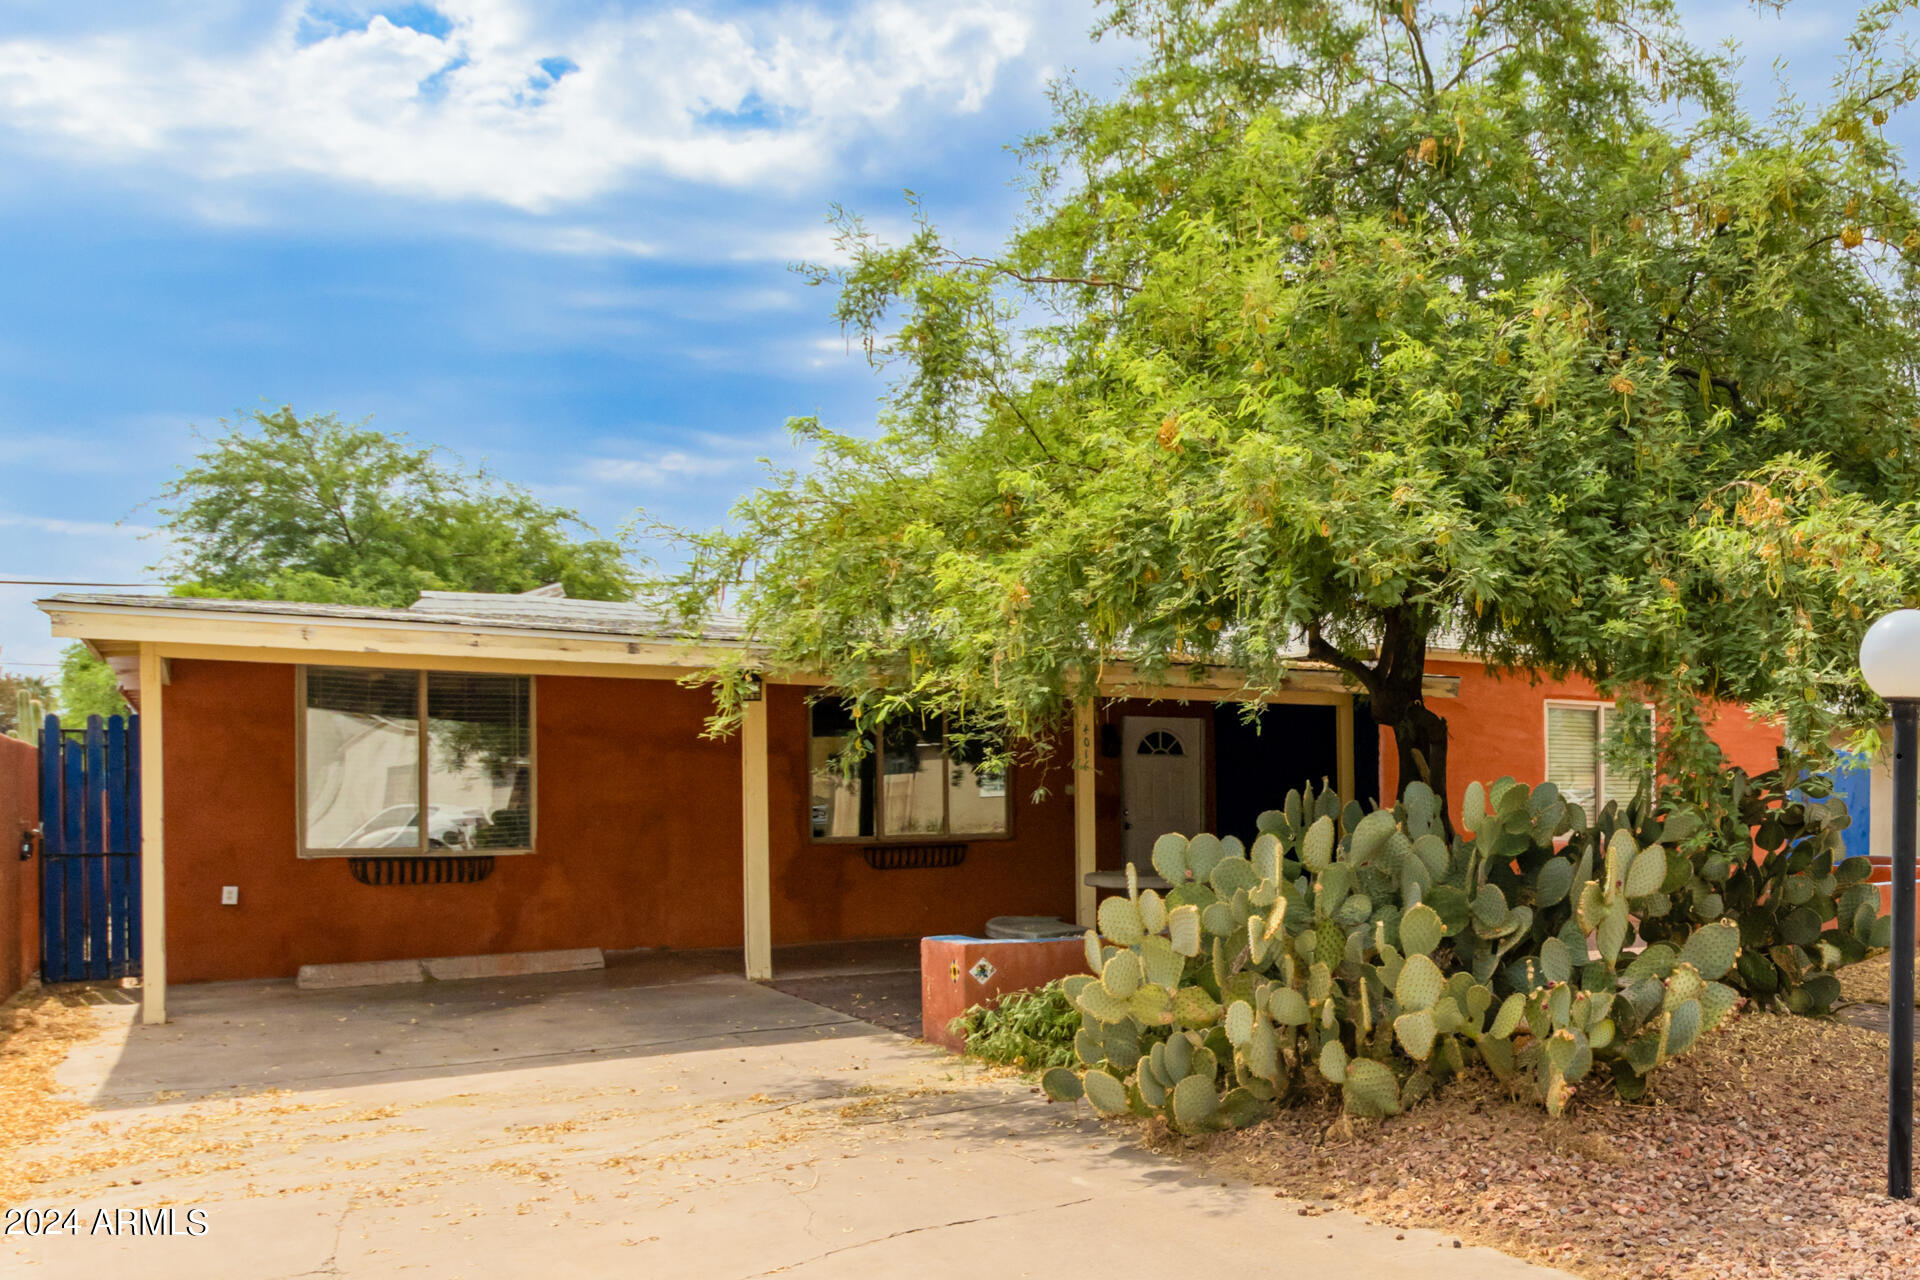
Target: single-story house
498 773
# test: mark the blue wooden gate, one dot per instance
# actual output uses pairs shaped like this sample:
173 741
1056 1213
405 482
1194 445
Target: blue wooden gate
90 850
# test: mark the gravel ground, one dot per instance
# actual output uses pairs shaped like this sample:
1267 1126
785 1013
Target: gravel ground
1761 1153
36 1032
1866 982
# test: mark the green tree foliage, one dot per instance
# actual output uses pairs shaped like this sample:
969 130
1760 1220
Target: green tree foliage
281 507
1351 326
87 687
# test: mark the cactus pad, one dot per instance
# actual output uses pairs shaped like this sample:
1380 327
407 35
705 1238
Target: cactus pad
1193 1007
1712 950
1170 857
1203 851
1153 912
1183 930
1121 976
1162 963
1333 1062
1553 882
1421 984
1108 1096
1415 1032
1062 1084
1288 1007
1420 930
1683 1027
1151 1005
1194 1103
1507 1021
1371 1089
1229 875
1648 871
1120 922
1369 836
1239 1023
1316 847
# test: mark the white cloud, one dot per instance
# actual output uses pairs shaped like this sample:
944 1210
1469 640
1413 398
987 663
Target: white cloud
657 470
499 102
75 528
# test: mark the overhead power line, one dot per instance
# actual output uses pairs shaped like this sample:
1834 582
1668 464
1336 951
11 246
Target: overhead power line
65 582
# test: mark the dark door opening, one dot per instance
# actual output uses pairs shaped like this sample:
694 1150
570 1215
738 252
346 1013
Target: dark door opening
1256 764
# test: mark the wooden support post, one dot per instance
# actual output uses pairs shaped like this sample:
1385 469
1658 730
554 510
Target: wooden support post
756 828
1085 832
1343 748
153 843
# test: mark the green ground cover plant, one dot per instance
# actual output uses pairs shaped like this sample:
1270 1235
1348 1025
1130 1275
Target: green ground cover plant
1033 1030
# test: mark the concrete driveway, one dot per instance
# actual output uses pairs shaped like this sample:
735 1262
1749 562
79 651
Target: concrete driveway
662 1120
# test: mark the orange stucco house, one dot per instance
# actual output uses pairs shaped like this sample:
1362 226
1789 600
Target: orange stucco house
510 773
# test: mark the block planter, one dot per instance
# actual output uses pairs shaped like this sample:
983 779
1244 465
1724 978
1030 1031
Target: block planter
958 972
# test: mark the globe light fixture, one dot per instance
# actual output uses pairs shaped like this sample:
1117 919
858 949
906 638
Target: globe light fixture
1890 662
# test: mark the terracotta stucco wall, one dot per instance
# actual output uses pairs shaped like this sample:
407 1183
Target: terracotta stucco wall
827 891
639 836
19 881
1497 727
639 841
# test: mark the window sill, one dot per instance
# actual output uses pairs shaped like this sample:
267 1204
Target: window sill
865 842
322 855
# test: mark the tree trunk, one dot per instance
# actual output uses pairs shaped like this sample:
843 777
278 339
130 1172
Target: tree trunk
1420 746
1395 683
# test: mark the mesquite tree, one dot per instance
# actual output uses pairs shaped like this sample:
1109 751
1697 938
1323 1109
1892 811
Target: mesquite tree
1349 328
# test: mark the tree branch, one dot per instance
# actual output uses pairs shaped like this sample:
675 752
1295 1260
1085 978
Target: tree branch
1320 650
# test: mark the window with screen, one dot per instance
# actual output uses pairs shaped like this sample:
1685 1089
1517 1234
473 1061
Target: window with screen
415 762
915 781
1577 735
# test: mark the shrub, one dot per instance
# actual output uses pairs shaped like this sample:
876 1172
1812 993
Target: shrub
1033 1029
1362 953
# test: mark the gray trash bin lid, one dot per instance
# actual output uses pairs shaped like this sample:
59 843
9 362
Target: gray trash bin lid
1032 928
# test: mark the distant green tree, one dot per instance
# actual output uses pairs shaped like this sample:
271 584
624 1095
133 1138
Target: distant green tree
87 687
282 507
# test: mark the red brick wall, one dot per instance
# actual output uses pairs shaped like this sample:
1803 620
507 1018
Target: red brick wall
19 881
1497 727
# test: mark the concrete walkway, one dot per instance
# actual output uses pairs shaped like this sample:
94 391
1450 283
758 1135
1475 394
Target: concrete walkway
667 1121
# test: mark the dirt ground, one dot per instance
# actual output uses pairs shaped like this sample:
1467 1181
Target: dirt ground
1866 982
1760 1154
668 1123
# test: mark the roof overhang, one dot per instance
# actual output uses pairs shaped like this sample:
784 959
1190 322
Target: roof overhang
116 631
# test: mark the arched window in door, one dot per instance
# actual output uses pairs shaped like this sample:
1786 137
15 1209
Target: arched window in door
1160 743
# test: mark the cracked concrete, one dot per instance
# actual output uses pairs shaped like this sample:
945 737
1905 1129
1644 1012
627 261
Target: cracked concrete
695 1126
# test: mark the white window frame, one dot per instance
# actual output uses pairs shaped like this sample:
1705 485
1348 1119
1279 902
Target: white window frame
1599 742
422 799
876 750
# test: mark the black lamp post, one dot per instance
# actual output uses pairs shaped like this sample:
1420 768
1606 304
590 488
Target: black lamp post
1890 660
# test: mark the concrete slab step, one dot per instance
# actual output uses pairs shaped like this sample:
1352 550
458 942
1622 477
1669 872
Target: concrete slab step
506 964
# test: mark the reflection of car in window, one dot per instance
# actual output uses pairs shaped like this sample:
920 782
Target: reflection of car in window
395 827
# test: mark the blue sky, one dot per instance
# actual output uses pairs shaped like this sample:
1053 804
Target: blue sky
552 237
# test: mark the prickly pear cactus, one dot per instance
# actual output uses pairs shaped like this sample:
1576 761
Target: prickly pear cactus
1363 957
